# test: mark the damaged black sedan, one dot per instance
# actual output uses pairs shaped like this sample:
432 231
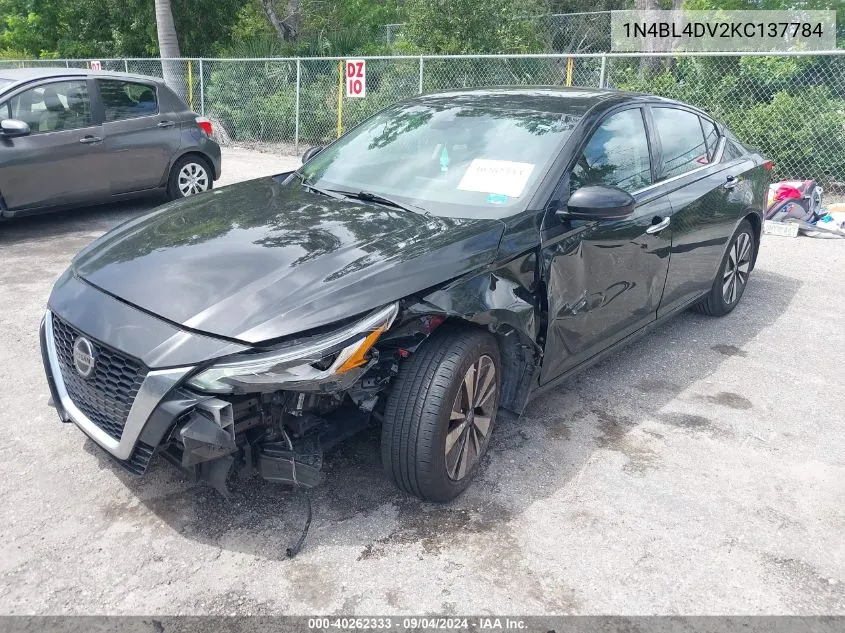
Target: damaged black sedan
438 264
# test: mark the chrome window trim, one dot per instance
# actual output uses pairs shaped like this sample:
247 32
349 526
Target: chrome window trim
155 386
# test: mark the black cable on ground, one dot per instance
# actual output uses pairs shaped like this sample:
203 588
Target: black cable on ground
293 551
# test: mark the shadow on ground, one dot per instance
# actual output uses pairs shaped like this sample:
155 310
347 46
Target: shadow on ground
84 219
530 459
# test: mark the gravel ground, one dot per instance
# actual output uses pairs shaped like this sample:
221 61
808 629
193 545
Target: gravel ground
699 471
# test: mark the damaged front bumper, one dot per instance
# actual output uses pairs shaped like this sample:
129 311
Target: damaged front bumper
279 435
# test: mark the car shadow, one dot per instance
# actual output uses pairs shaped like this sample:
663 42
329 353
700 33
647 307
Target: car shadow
82 219
530 459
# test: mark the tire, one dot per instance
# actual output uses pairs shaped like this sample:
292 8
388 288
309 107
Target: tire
191 167
732 278
419 416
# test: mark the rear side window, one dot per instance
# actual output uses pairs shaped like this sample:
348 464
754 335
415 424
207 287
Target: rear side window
682 140
127 100
616 154
711 137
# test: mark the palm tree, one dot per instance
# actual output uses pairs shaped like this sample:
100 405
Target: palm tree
168 47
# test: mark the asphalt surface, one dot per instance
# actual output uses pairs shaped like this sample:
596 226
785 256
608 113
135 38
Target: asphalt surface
699 471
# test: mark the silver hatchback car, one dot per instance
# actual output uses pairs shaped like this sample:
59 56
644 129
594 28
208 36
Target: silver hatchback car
74 136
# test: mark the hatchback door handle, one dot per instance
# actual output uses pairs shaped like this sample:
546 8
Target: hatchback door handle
90 139
166 124
656 228
731 182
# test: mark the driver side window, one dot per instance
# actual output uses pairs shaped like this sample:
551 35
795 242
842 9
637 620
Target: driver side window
616 154
52 107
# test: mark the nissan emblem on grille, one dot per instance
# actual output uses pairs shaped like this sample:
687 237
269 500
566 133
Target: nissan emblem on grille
83 357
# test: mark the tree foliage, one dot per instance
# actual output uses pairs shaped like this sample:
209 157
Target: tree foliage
465 26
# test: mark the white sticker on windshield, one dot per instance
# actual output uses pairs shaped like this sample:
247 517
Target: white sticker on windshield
504 177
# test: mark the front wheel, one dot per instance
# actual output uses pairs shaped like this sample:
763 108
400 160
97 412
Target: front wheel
732 278
189 176
440 413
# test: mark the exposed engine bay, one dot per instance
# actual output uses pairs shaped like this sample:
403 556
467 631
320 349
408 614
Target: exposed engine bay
281 434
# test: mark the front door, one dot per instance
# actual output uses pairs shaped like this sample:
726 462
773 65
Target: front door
604 279
61 160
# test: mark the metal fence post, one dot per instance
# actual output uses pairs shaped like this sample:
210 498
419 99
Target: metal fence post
603 68
421 75
126 65
202 89
296 119
67 63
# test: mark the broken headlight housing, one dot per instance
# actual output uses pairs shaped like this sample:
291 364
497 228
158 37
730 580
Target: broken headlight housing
304 365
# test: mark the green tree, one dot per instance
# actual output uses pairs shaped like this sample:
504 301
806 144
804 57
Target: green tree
465 26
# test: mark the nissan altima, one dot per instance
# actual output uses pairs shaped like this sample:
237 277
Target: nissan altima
436 265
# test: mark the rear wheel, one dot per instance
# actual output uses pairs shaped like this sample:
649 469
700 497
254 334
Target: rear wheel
189 176
732 278
440 414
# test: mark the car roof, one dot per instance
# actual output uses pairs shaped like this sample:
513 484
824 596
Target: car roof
554 99
20 75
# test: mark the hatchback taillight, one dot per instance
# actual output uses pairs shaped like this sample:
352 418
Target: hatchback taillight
769 165
205 125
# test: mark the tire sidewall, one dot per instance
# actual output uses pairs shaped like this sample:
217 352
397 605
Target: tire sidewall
482 345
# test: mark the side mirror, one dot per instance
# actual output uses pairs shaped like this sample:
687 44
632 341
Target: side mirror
11 128
311 152
598 203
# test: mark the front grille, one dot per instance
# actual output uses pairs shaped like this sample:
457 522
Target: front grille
107 396
140 459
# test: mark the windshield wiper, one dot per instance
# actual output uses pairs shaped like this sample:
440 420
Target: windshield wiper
326 192
369 196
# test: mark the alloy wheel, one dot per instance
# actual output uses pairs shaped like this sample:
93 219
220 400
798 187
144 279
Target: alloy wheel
470 418
737 269
193 178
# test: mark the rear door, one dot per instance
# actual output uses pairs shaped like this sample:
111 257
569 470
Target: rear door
61 161
604 279
707 197
139 138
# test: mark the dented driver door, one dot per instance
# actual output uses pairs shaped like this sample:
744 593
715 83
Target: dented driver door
604 279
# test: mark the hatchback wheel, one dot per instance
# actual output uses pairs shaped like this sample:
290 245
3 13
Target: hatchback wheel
732 278
189 176
440 413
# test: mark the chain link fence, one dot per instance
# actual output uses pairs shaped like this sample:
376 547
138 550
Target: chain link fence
790 106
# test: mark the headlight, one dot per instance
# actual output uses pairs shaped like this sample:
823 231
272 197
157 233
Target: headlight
324 358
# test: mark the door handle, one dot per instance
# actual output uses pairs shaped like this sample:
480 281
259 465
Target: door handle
731 182
656 228
166 124
90 139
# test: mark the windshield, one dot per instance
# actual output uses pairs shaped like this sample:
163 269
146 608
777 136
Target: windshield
455 159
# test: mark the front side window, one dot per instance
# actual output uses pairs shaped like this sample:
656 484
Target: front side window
53 107
126 99
681 139
617 154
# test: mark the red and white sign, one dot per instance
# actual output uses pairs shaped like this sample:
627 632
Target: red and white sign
356 78
96 65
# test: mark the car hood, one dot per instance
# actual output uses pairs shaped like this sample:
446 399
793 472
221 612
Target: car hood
262 260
